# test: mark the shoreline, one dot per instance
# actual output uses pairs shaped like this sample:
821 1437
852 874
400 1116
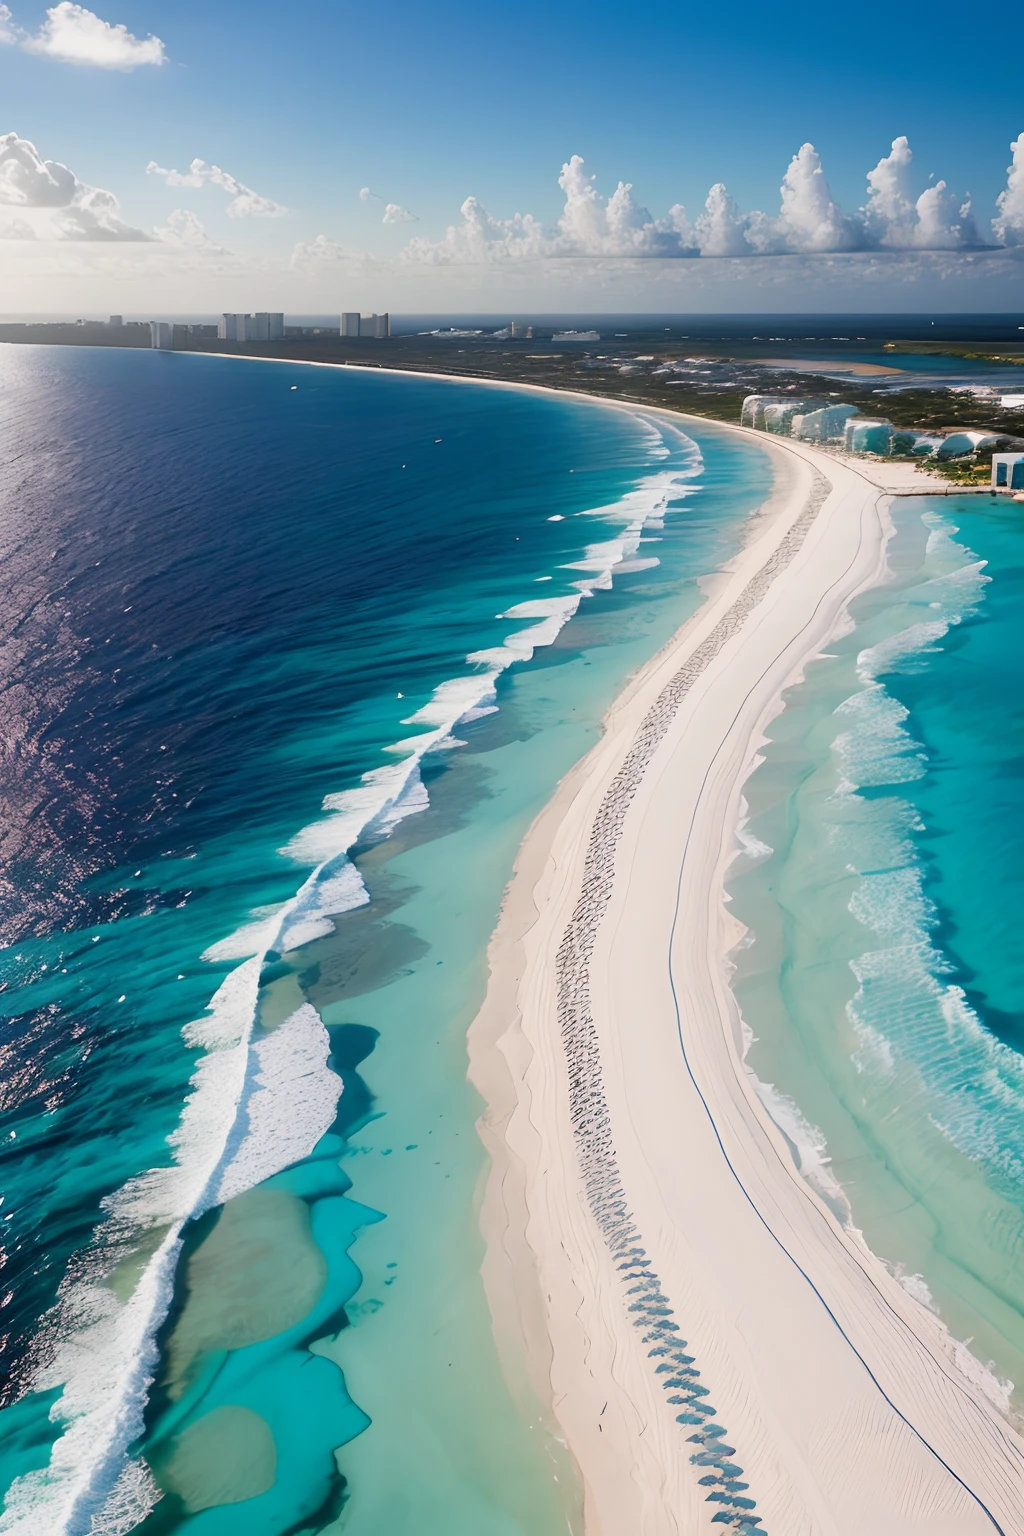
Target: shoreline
784 523
886 1427
899 478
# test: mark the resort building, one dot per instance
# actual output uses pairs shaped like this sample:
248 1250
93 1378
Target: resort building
773 413
160 335
823 426
264 325
779 415
1008 471
355 325
865 436
956 445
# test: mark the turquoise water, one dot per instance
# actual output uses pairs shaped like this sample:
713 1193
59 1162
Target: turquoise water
292 657
882 885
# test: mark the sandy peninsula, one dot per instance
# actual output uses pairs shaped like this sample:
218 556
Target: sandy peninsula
716 1348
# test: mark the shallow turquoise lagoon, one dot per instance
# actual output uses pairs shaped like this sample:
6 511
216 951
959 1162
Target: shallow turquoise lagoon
882 884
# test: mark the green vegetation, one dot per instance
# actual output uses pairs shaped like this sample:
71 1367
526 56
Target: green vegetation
700 379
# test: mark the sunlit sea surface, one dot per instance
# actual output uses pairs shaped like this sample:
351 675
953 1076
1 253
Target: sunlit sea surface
290 658
882 885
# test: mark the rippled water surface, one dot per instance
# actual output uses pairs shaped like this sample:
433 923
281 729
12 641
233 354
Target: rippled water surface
290 658
885 982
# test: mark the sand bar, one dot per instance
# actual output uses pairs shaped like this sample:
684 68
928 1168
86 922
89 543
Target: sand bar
834 365
717 1349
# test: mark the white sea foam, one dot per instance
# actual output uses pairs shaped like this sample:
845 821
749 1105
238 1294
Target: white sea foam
286 1068
259 1102
910 1018
951 594
916 1286
807 1143
630 567
913 1024
876 749
750 845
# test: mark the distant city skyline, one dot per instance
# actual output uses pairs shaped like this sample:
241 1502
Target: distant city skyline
555 158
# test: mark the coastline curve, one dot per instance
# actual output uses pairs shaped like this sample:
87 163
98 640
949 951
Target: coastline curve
549 1119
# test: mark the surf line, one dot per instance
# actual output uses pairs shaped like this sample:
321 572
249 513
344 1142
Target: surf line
767 1225
590 1119
92 1482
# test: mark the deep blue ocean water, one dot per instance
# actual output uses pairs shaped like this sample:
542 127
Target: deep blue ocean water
290 657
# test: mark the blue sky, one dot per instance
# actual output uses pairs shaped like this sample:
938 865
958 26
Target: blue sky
307 104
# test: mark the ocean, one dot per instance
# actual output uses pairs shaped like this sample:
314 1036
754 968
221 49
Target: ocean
291 657
881 977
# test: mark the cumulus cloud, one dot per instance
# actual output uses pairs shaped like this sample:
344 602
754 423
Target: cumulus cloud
394 213
94 215
313 256
10 32
29 181
74 35
809 221
244 204
1008 227
308 255
184 228
721 230
79 212
934 221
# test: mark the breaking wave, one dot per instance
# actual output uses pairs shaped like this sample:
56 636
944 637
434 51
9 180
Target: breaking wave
908 1013
260 1101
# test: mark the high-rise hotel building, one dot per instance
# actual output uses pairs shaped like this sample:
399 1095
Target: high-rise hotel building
355 324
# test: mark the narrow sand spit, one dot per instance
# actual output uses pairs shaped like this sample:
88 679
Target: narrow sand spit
717 1349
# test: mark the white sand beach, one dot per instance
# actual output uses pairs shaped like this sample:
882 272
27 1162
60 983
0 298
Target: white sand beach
653 1251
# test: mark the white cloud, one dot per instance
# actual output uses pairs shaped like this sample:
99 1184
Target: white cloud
590 225
309 255
1008 227
80 212
10 32
481 238
722 229
94 215
77 36
890 205
244 204
935 221
184 228
191 248
809 221
619 227
29 181
394 213
321 254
